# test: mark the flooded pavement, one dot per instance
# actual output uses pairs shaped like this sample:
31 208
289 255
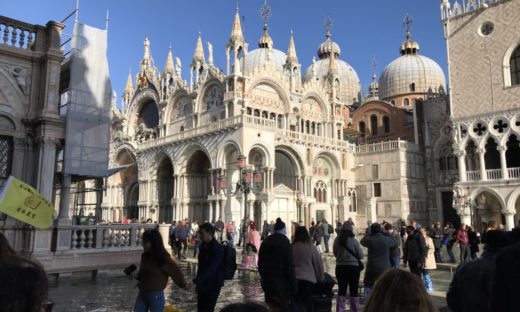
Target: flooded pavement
115 292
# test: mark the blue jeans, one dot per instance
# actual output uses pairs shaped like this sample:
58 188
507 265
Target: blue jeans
152 301
396 262
326 241
427 280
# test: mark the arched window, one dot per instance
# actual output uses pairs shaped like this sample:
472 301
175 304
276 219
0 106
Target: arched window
373 125
362 129
513 152
406 102
514 67
320 192
492 155
149 115
386 124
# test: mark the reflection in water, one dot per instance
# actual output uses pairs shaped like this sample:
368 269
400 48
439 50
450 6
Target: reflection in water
116 293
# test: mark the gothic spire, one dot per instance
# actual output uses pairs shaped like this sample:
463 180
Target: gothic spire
237 37
198 55
291 52
169 68
129 88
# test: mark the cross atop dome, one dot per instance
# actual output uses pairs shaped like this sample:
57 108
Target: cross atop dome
407 23
328 24
266 12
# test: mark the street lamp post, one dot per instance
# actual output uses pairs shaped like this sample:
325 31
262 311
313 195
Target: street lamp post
244 184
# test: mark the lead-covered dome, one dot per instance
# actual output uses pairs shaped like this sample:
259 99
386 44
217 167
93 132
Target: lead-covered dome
410 73
349 81
264 54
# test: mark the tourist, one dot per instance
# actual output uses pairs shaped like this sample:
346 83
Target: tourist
195 238
271 228
276 268
449 240
231 232
24 284
252 244
348 253
436 235
416 226
219 229
308 267
181 239
155 268
399 291
311 230
429 262
327 231
337 230
210 273
473 241
245 307
490 226
462 238
318 236
395 252
171 236
194 227
470 287
415 251
378 259
265 230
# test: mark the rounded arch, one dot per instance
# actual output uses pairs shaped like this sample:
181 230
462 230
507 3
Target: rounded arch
200 107
333 161
222 152
286 170
506 63
137 104
263 151
483 189
192 149
321 101
273 83
160 157
511 202
170 107
294 155
440 144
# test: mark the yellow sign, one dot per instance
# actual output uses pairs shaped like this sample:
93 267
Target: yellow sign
21 201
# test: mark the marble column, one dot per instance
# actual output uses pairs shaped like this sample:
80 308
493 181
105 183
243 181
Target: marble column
210 208
46 166
482 160
510 220
461 155
503 162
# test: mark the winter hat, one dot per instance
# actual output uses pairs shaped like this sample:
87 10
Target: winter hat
347 225
279 226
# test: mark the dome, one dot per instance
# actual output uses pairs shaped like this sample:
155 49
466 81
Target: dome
328 47
258 57
347 75
410 73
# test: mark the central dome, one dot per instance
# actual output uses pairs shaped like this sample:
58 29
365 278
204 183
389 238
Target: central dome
264 54
350 86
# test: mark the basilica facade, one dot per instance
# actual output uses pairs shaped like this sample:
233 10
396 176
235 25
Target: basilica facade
293 137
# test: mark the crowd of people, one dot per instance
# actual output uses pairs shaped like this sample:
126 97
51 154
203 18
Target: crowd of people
292 271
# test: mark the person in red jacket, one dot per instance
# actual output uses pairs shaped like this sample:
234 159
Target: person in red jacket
462 238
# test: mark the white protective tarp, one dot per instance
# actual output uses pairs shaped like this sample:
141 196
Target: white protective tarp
89 110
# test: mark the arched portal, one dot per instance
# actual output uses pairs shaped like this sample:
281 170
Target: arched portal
285 172
487 207
128 181
198 186
149 115
165 190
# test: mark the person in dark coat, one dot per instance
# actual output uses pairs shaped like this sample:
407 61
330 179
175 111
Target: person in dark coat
317 235
436 234
395 252
276 269
470 287
378 259
474 241
504 287
415 251
210 271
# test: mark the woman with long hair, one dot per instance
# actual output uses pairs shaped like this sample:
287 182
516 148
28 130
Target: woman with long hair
156 266
348 253
399 291
252 244
308 267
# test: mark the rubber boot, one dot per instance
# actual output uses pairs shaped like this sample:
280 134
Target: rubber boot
246 262
340 303
354 304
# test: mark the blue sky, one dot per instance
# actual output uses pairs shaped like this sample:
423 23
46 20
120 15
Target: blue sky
363 28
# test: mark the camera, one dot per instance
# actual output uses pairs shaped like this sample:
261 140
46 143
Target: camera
130 269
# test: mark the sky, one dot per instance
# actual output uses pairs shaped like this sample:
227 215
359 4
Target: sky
364 29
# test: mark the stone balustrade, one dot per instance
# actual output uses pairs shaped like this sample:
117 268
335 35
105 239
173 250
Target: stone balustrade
494 174
107 236
386 146
473 175
16 34
513 173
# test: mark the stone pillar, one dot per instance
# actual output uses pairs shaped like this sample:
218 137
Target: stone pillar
210 208
482 161
251 209
264 211
64 217
503 162
461 155
222 204
510 220
46 166
372 210
164 230
216 206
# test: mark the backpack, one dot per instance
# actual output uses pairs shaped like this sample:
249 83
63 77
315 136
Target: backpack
330 230
230 261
